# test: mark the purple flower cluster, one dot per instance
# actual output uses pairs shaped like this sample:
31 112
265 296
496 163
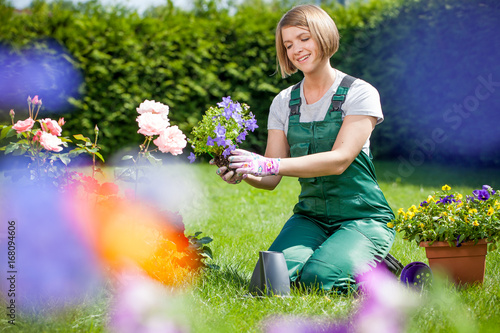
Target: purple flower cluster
231 110
446 200
482 194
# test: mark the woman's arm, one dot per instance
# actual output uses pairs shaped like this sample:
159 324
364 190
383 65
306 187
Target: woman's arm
353 134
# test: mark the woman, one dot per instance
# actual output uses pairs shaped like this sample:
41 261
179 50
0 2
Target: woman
319 131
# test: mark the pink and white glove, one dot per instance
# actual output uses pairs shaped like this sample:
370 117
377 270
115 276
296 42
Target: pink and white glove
246 162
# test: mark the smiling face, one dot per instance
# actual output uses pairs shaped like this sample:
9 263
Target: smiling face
308 27
301 49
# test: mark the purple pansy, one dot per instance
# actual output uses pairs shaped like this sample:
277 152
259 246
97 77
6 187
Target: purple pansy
424 203
481 194
446 200
489 189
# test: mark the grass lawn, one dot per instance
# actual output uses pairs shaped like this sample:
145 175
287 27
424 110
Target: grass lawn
243 220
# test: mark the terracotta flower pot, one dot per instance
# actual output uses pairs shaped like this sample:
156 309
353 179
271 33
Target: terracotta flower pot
464 264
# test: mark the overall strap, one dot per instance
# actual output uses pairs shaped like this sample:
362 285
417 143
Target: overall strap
339 96
295 100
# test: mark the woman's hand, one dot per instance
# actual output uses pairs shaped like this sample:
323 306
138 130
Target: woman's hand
228 175
246 162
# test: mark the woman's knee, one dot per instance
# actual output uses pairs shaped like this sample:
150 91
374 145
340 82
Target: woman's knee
325 276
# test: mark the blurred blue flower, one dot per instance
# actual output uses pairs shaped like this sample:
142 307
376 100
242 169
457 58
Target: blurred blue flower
55 263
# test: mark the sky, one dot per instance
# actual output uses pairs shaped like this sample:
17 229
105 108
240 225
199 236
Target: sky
140 5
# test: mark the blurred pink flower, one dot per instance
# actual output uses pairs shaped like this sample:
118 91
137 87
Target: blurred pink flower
34 100
24 125
154 107
171 140
50 142
51 126
142 305
151 124
61 122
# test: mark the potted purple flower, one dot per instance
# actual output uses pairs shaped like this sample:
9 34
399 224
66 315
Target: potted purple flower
454 229
221 129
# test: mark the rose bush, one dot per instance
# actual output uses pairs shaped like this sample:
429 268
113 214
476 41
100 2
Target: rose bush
121 228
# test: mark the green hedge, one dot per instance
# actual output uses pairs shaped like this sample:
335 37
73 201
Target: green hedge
423 56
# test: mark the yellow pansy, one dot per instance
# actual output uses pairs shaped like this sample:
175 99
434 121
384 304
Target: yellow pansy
490 211
452 219
473 211
466 219
421 225
390 225
444 213
401 211
459 196
460 204
475 223
411 214
446 188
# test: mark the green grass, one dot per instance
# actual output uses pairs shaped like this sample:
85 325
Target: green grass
243 220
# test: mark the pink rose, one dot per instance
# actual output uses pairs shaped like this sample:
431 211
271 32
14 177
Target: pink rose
37 136
50 142
153 107
24 125
171 140
151 124
51 126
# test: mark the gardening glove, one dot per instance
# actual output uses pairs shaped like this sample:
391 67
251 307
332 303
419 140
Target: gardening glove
246 162
228 175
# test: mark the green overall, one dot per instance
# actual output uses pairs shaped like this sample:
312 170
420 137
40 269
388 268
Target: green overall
339 227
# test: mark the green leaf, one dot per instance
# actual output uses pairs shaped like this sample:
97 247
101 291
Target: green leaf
11 147
82 138
208 252
64 158
100 156
7 132
153 160
205 240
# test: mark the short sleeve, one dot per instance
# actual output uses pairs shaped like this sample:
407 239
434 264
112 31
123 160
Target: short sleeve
363 99
278 112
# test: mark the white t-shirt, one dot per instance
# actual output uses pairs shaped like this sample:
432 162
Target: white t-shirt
361 99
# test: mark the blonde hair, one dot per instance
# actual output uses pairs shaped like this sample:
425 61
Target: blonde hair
321 26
